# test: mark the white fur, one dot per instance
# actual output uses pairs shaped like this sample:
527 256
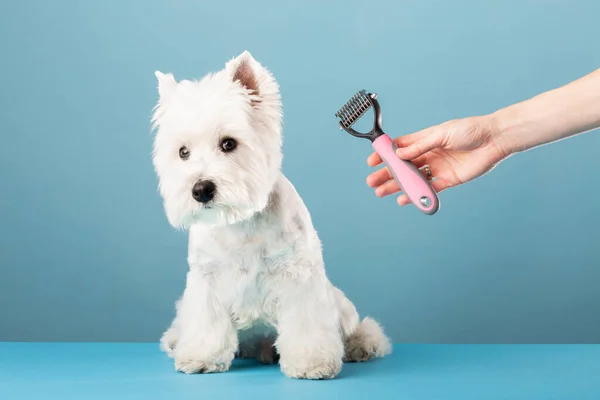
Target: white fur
256 277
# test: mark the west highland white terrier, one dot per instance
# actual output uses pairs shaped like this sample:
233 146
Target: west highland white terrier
256 286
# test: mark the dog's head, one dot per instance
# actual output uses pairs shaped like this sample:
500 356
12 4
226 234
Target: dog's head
217 149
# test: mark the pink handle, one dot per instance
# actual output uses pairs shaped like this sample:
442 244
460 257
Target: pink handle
407 176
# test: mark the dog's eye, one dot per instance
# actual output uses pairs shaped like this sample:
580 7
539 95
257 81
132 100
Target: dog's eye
228 144
184 153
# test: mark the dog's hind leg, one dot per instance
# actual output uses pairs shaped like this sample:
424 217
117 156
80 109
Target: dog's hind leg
259 343
261 349
169 339
363 340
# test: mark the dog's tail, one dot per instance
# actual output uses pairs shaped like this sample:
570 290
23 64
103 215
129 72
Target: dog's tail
363 340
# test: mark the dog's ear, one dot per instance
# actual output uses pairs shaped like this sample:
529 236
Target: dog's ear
244 69
166 84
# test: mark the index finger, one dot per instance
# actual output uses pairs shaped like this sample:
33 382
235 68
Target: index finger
401 141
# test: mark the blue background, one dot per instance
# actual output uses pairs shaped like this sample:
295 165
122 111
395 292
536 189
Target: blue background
86 253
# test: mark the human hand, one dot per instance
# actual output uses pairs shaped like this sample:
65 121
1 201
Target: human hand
457 151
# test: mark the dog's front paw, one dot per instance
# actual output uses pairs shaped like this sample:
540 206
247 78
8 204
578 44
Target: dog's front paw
200 367
311 367
192 360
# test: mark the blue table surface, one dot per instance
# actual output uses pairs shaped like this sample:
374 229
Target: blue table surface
141 371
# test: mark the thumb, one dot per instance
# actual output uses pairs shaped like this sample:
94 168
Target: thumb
426 143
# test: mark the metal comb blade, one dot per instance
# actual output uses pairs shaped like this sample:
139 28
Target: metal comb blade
355 108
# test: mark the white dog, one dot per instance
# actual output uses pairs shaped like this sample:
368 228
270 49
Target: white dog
256 286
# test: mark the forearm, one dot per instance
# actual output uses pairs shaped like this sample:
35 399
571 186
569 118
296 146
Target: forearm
550 116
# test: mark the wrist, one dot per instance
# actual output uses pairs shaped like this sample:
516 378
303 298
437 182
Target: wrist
507 127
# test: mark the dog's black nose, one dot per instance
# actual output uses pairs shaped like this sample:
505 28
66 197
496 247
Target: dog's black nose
203 191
